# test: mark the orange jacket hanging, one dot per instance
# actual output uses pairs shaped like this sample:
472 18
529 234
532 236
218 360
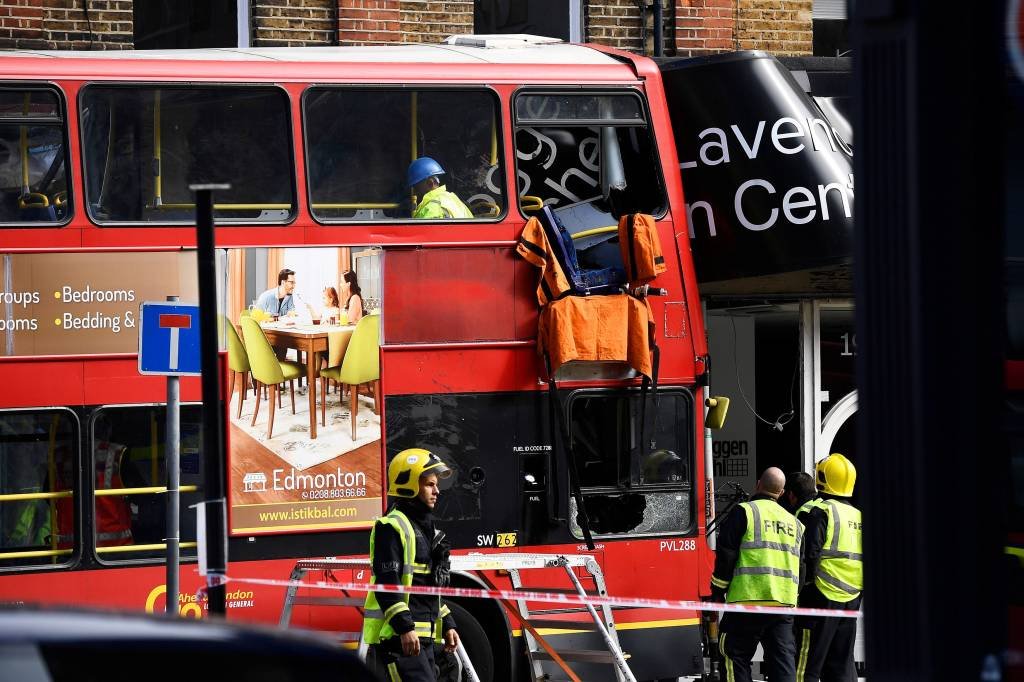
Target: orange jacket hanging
534 247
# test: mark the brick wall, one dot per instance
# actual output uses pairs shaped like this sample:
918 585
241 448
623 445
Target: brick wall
692 27
705 26
615 23
431 21
65 24
782 27
287 23
369 22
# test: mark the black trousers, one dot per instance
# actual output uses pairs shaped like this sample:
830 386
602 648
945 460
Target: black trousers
738 636
391 666
825 645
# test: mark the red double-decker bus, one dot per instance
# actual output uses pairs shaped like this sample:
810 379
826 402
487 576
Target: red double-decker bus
98 152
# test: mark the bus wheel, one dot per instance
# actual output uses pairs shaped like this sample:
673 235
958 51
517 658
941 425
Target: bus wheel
477 646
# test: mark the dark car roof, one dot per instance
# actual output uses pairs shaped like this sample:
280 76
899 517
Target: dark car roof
67 644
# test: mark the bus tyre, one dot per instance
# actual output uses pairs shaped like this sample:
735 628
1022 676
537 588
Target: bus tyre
474 639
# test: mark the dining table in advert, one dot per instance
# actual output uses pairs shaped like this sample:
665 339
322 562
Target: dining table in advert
311 339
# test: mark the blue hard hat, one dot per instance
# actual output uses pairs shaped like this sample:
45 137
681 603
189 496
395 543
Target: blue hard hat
421 169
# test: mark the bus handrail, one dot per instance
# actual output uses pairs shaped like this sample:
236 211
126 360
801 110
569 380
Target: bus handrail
149 490
595 230
17 497
530 203
122 549
366 205
223 207
58 494
32 554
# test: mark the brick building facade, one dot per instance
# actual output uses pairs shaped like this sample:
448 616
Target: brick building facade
690 27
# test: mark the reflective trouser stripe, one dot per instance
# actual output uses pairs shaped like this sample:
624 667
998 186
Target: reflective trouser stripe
730 674
393 673
801 659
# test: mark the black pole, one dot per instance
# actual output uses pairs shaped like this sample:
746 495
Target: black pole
213 411
928 276
173 464
659 29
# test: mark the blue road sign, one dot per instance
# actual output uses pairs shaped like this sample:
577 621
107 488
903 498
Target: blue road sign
169 339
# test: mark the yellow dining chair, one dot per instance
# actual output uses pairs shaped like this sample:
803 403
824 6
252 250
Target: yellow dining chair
238 363
360 365
267 369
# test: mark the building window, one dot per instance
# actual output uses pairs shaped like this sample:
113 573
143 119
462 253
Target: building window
830 27
552 18
181 24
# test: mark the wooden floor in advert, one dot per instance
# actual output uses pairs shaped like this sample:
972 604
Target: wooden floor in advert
258 476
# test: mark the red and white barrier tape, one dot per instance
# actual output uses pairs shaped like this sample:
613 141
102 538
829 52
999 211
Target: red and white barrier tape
573 599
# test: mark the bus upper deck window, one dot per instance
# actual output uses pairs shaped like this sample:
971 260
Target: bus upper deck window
360 142
33 157
143 146
38 480
558 151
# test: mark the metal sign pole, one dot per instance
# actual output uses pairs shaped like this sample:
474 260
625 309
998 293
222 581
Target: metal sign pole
213 417
173 464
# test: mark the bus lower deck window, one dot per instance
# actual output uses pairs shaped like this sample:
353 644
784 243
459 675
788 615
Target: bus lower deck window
634 458
38 512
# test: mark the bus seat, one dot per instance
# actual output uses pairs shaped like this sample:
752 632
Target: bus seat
36 207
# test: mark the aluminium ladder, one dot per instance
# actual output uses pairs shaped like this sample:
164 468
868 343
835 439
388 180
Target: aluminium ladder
540 653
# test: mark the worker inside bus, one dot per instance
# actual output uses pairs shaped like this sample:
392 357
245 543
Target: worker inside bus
435 201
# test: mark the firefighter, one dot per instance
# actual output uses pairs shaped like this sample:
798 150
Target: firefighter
800 490
835 575
436 202
406 549
113 515
758 562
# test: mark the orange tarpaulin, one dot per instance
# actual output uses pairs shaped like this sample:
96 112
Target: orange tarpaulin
597 328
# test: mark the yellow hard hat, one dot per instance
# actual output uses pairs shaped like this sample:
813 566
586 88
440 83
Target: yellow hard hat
836 475
408 466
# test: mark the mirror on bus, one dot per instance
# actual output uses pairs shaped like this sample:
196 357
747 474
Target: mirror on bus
717 406
613 174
